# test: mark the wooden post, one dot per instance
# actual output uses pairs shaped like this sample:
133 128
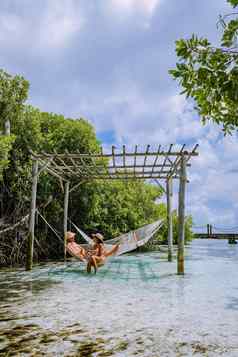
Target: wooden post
7 132
208 230
169 194
30 242
181 217
7 127
66 207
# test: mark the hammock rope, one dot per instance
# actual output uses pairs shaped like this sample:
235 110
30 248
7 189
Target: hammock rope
53 229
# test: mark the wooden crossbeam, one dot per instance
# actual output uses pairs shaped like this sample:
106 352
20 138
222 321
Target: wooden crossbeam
129 178
113 157
98 166
76 167
131 173
118 171
136 147
176 162
65 171
56 168
187 157
45 165
84 165
64 164
145 158
156 159
166 157
124 156
52 171
88 165
128 154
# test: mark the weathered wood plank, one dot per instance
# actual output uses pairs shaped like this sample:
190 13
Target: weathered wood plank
31 234
129 154
66 207
181 217
7 128
169 195
128 178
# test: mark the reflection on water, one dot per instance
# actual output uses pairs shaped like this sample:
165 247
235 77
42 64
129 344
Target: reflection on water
135 306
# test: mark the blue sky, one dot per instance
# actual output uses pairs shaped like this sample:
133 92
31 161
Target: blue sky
108 61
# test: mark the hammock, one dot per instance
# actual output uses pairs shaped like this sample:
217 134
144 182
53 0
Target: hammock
128 241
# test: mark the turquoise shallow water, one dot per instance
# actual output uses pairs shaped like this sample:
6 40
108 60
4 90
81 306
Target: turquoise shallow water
135 306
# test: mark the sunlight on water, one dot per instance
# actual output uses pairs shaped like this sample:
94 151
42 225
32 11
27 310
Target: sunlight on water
135 306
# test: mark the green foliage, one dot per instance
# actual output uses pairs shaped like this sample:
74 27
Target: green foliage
234 3
72 134
47 132
5 146
13 93
210 75
230 33
117 207
188 234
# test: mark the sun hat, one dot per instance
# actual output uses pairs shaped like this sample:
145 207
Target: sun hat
99 236
69 235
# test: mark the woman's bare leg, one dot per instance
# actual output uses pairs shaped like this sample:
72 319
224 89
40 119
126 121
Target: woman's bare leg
81 253
77 251
92 263
100 261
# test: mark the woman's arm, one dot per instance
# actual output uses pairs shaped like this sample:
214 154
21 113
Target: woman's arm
112 251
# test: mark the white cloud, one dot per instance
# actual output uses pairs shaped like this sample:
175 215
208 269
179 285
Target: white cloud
12 29
10 24
51 28
157 119
213 194
61 21
145 6
141 11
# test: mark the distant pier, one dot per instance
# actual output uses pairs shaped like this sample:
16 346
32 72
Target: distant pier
213 232
216 235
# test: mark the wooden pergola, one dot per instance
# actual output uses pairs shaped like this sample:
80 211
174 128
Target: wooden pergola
160 164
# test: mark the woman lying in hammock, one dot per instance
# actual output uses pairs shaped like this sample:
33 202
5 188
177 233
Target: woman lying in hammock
96 256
